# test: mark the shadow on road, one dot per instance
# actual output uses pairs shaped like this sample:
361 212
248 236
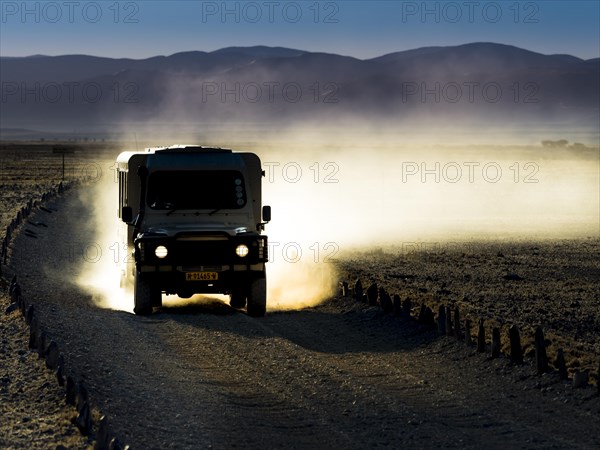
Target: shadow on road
316 329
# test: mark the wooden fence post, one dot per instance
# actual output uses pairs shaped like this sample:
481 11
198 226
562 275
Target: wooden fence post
385 301
495 342
540 351
561 365
449 331
441 319
481 337
516 352
468 339
457 330
372 294
358 291
580 379
429 319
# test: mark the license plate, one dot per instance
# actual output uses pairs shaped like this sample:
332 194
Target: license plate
201 276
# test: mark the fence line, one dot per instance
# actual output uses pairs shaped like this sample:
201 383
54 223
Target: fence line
40 341
448 323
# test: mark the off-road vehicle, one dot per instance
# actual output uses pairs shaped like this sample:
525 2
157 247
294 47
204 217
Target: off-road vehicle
191 217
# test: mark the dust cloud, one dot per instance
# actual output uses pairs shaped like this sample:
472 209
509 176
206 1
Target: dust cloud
333 196
384 192
333 193
100 274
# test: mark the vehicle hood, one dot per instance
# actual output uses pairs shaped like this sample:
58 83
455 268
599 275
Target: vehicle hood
201 228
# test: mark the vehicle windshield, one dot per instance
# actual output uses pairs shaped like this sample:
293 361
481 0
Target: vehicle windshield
196 189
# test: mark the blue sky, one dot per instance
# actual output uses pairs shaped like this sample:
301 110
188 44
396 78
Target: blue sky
363 29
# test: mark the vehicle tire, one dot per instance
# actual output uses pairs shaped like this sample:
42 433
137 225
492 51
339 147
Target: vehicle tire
237 298
144 295
257 297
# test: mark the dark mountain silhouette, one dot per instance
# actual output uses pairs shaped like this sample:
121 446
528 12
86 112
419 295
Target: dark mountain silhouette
478 82
477 57
261 51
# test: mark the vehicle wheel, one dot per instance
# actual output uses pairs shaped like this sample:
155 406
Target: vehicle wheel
144 295
237 298
257 297
156 298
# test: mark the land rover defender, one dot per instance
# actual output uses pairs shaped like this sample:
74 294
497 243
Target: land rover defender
191 218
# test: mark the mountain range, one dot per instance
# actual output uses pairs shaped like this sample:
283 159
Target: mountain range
472 83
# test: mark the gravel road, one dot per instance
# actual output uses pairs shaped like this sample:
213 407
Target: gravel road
340 375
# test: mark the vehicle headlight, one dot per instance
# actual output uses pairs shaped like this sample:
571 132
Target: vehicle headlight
161 251
241 250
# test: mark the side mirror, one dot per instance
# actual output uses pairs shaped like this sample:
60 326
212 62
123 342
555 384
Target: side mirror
266 213
127 214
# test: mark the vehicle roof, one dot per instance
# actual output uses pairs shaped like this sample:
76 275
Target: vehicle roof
124 157
186 148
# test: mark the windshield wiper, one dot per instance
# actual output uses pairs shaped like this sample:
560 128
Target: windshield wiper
210 213
172 210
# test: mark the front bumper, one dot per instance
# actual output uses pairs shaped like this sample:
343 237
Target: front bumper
210 256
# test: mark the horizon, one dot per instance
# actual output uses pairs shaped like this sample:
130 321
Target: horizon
359 29
289 48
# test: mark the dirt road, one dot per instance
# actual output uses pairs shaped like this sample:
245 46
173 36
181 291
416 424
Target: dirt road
337 376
